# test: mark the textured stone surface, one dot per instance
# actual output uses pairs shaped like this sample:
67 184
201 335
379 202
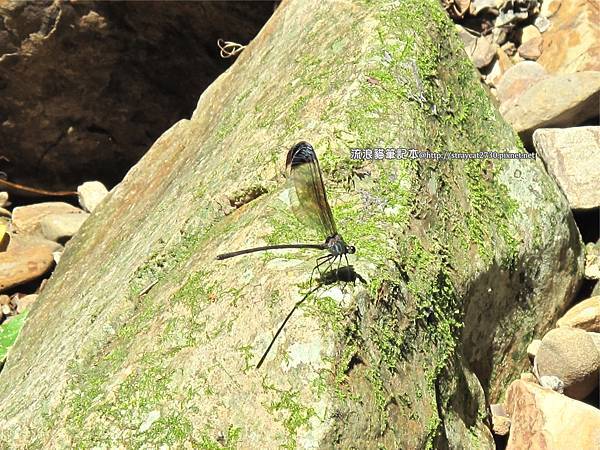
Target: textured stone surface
91 193
572 44
88 86
570 355
26 259
578 103
572 157
519 78
61 227
462 262
584 315
25 302
484 51
28 219
532 49
544 419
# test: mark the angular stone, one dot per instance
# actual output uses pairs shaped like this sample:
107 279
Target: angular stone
27 219
571 355
499 67
543 419
532 49
529 33
542 24
584 315
484 52
206 323
537 107
572 43
572 157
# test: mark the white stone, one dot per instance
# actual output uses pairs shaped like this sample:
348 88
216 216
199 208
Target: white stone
91 193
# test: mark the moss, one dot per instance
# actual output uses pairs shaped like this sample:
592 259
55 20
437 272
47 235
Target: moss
288 410
376 380
228 442
248 355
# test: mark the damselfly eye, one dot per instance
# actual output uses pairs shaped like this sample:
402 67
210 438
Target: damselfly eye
351 249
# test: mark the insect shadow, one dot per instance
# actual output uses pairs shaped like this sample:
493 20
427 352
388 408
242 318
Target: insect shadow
345 274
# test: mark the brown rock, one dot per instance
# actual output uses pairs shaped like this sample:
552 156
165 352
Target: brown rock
23 303
572 44
27 219
499 67
531 49
570 355
543 419
572 157
539 106
504 60
584 315
550 7
25 260
484 52
518 78
159 225
529 33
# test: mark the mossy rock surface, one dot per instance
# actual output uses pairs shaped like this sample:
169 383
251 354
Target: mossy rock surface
142 339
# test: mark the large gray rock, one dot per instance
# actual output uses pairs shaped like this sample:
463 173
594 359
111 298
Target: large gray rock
156 341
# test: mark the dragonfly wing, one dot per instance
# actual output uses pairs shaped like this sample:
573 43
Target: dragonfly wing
310 205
